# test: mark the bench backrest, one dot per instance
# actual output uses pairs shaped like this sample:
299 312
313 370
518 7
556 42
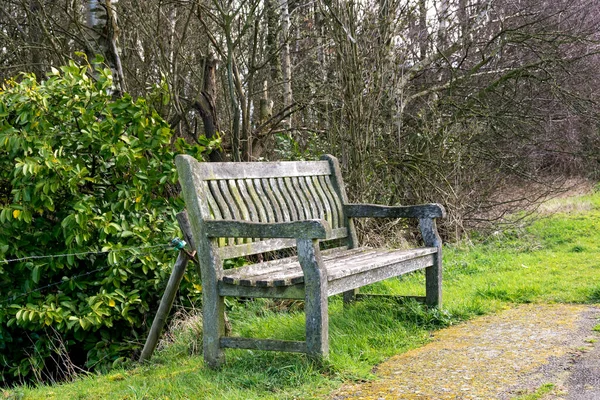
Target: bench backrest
265 192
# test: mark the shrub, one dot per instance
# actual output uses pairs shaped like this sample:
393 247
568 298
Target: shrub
80 172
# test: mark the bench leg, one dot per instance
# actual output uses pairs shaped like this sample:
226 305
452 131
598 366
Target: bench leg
433 274
433 282
315 305
317 324
350 296
213 325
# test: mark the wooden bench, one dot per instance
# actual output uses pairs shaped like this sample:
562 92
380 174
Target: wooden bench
241 209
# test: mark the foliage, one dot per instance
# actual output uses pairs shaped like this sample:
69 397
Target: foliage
80 172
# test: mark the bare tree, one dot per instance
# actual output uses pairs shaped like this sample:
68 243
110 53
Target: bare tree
447 100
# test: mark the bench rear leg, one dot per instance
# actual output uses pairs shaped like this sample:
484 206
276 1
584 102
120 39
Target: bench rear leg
433 274
350 296
433 282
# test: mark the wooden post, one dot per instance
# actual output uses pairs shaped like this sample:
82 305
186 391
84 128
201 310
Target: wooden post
165 306
166 303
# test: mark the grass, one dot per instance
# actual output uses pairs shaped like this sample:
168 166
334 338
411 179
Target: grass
539 393
554 259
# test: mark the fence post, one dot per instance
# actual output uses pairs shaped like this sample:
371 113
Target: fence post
166 303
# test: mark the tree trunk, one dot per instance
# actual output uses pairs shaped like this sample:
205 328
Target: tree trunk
247 139
443 24
423 30
286 61
103 34
206 106
463 18
272 45
35 36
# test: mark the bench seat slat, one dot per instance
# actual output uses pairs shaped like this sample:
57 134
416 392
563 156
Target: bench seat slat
291 273
370 275
339 264
276 267
379 260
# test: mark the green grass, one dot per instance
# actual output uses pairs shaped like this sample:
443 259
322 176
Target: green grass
539 393
554 259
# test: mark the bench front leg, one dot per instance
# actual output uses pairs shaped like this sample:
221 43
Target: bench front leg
316 306
433 274
213 305
213 326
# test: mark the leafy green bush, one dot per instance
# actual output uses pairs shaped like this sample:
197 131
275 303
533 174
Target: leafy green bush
80 172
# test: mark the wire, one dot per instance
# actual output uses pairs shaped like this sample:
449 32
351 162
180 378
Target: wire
82 254
15 297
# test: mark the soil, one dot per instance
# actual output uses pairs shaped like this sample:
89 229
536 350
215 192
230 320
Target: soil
533 351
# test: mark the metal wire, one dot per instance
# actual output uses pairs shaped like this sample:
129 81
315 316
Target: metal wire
82 254
39 289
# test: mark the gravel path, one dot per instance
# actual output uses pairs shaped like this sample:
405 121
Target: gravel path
549 350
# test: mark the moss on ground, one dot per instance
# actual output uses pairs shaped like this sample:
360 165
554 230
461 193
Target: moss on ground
493 357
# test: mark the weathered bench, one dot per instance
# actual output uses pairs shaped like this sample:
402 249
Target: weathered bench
241 209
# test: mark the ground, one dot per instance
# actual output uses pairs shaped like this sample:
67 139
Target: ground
533 351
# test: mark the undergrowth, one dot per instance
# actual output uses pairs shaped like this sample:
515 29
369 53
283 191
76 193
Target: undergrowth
553 259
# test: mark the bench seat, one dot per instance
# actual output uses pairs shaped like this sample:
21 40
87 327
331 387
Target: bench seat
339 264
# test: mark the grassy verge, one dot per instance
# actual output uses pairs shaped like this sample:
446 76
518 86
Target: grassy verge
555 259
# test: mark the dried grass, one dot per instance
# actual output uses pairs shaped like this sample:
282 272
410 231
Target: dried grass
184 329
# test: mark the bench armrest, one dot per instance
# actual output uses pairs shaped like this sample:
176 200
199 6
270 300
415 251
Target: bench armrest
377 211
308 229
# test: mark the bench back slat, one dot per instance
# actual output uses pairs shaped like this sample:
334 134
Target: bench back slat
282 199
277 169
266 192
264 246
